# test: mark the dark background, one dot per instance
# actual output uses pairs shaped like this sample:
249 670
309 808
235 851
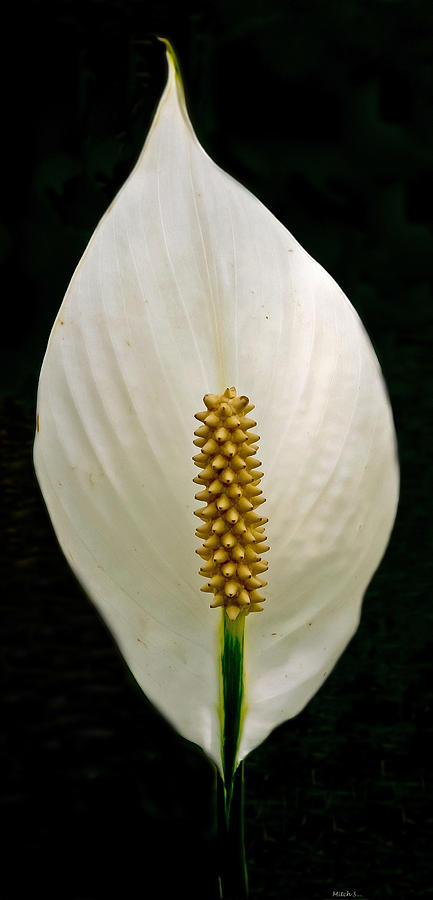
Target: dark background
323 109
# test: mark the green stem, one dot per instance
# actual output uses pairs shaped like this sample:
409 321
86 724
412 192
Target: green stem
231 853
233 879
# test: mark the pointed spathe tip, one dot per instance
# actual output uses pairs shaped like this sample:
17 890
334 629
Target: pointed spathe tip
173 62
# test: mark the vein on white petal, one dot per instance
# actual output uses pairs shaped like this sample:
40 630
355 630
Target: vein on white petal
165 624
311 679
79 420
175 406
276 348
178 420
105 419
118 609
173 271
262 655
295 625
319 496
302 680
120 279
332 377
58 499
215 302
340 597
236 298
124 401
299 394
113 481
364 553
100 515
285 323
128 396
362 467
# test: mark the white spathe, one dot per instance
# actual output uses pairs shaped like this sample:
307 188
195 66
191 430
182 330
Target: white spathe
189 285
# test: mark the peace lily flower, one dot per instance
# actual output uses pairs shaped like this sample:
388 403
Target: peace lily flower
189 286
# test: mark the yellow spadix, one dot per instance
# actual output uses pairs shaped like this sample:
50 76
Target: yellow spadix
233 532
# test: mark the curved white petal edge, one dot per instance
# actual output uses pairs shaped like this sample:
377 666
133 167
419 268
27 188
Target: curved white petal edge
189 285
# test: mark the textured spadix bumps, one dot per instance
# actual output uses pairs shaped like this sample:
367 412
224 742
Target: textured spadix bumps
233 532
189 285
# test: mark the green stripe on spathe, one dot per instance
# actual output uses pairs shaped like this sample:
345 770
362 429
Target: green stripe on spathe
232 670
174 59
